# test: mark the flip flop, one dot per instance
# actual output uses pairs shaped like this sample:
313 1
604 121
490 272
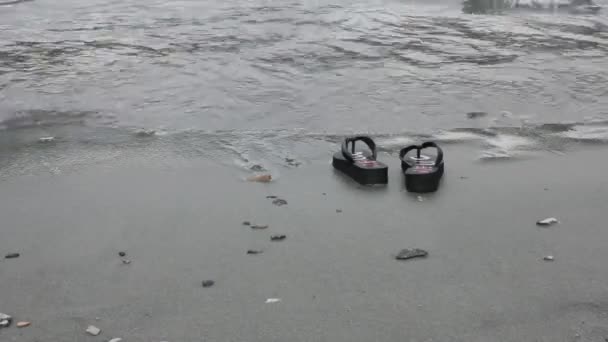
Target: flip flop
361 166
422 172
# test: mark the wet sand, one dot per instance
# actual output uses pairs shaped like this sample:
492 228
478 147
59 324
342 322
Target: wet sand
181 223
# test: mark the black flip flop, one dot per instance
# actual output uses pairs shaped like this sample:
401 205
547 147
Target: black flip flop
422 172
359 165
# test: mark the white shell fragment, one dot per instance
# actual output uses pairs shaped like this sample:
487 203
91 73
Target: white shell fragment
547 222
93 330
272 300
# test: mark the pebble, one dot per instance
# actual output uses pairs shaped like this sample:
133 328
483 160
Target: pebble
115 340
279 202
406 254
547 222
46 139
338 210
246 223
260 178
122 254
254 251
549 258
126 261
93 330
23 324
278 237
5 320
208 283
475 115
271 197
12 255
259 226
272 300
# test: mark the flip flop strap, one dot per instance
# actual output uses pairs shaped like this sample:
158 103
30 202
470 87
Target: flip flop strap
348 155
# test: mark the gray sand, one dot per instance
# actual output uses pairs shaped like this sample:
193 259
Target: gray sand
484 279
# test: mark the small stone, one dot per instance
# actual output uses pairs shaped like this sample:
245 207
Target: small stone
122 254
12 255
46 139
115 340
272 300
259 227
126 261
278 237
475 115
549 258
145 133
547 222
338 210
23 324
257 168
246 223
208 283
279 202
271 197
93 330
254 251
324 194
406 254
5 323
260 178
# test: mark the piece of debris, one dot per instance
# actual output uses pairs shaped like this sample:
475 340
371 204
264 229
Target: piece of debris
549 258
246 223
420 199
271 197
122 254
23 324
255 226
5 320
115 340
338 210
406 254
279 202
278 237
292 162
145 133
257 168
126 261
12 255
272 300
547 222
260 178
254 251
46 139
93 330
208 283
475 115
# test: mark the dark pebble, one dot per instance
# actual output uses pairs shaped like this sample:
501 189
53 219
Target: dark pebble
324 194
208 283
411 253
278 237
279 202
338 210
122 254
271 196
475 115
259 227
246 223
254 251
12 255
257 168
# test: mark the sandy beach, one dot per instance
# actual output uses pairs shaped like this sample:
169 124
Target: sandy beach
335 274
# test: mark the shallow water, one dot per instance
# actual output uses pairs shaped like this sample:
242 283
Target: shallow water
255 82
